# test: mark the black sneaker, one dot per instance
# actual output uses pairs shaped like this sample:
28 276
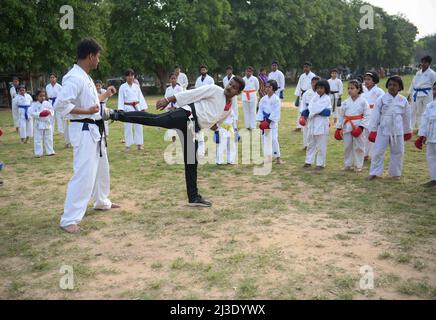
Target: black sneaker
200 202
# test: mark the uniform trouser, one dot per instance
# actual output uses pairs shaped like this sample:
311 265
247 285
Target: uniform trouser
226 147
305 136
378 154
175 119
418 108
66 132
26 128
90 178
43 137
334 102
16 116
135 137
60 122
431 159
368 144
354 150
317 146
249 114
271 146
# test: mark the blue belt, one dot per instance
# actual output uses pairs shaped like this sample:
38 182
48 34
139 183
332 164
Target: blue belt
53 100
25 109
266 115
425 90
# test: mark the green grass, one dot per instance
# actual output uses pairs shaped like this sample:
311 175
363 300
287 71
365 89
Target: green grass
293 234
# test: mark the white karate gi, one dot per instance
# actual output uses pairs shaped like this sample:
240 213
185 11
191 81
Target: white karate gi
15 113
23 103
91 171
421 91
182 80
304 105
226 149
43 128
270 106
304 84
428 129
336 90
318 127
280 78
129 94
391 119
371 96
249 101
52 94
354 147
206 81
235 110
102 107
169 92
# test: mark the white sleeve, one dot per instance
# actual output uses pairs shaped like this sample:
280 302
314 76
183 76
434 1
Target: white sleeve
374 120
407 122
69 93
121 98
423 124
259 115
283 82
142 103
191 96
366 114
275 113
33 111
257 86
297 89
341 88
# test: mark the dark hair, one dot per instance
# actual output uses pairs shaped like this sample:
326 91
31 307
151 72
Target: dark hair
250 68
171 75
261 69
334 70
54 75
307 63
229 68
15 78
396 79
374 76
274 62
86 47
427 59
315 78
177 66
98 82
21 86
324 84
129 72
203 66
360 78
240 81
434 84
357 84
38 92
273 84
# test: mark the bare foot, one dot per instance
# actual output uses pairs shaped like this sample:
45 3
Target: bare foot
72 228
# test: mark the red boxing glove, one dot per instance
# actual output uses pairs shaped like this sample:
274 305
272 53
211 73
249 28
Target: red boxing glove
419 143
302 121
264 125
407 136
44 113
338 135
372 136
1 132
356 132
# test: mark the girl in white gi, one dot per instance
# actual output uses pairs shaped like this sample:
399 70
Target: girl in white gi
229 76
371 95
130 99
79 101
268 117
23 102
100 91
182 79
389 126
53 89
353 119
336 90
318 124
14 92
171 91
249 98
225 140
43 112
304 109
278 76
427 135
304 84
421 89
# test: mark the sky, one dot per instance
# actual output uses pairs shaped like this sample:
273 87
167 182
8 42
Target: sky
422 13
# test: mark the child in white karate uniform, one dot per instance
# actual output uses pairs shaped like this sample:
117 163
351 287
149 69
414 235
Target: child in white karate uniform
352 121
173 88
427 135
42 111
268 116
225 140
23 101
318 125
304 109
389 127
249 98
336 91
371 95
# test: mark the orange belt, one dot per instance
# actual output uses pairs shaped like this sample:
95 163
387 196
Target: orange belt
371 106
247 92
350 119
133 104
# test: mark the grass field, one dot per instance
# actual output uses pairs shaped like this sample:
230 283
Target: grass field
293 234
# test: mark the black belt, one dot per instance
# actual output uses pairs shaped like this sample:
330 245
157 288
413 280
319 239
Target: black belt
99 124
194 114
333 92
